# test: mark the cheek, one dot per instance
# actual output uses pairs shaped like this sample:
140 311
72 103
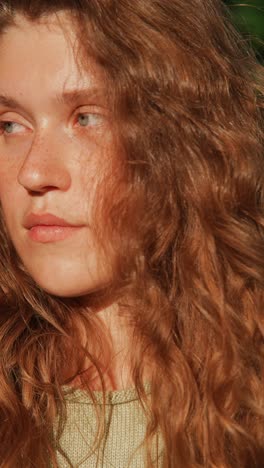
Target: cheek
8 177
7 197
12 204
12 155
8 185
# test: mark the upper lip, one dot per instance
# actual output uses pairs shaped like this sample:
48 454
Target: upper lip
46 219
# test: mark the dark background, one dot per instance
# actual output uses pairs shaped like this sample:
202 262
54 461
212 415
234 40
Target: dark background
248 17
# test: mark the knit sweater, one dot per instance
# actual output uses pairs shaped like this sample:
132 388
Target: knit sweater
125 426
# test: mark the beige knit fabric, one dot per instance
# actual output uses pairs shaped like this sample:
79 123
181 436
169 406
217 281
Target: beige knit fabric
125 430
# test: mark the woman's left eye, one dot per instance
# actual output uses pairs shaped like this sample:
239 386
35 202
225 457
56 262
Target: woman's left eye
86 120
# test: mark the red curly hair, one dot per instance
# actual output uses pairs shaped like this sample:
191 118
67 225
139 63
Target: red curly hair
187 100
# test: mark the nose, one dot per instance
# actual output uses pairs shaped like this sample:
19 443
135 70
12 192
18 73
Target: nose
45 165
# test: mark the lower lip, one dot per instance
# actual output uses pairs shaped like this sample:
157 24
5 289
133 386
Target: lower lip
45 234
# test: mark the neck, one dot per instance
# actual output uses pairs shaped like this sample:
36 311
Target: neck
117 348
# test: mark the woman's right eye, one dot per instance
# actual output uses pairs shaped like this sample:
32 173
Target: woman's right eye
8 127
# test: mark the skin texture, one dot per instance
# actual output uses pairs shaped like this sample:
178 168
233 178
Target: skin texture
51 160
51 156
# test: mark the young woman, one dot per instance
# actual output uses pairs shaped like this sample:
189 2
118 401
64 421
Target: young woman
132 236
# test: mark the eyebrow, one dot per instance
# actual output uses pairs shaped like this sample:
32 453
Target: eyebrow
78 95
8 101
69 97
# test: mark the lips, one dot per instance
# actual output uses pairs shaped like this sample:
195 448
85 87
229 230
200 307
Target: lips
48 228
47 219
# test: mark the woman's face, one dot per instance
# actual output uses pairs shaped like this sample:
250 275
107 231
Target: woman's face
56 143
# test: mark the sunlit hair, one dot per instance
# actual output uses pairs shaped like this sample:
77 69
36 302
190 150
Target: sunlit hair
188 227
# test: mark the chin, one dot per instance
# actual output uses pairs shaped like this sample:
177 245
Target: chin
63 290
66 280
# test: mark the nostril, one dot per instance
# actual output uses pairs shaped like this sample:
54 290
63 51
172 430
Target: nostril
41 191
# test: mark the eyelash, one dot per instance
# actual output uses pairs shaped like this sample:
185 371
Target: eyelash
80 114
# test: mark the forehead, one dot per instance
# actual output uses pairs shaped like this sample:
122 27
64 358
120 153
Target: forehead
45 56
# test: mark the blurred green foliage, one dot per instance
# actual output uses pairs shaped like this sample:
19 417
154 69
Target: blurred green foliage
248 17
